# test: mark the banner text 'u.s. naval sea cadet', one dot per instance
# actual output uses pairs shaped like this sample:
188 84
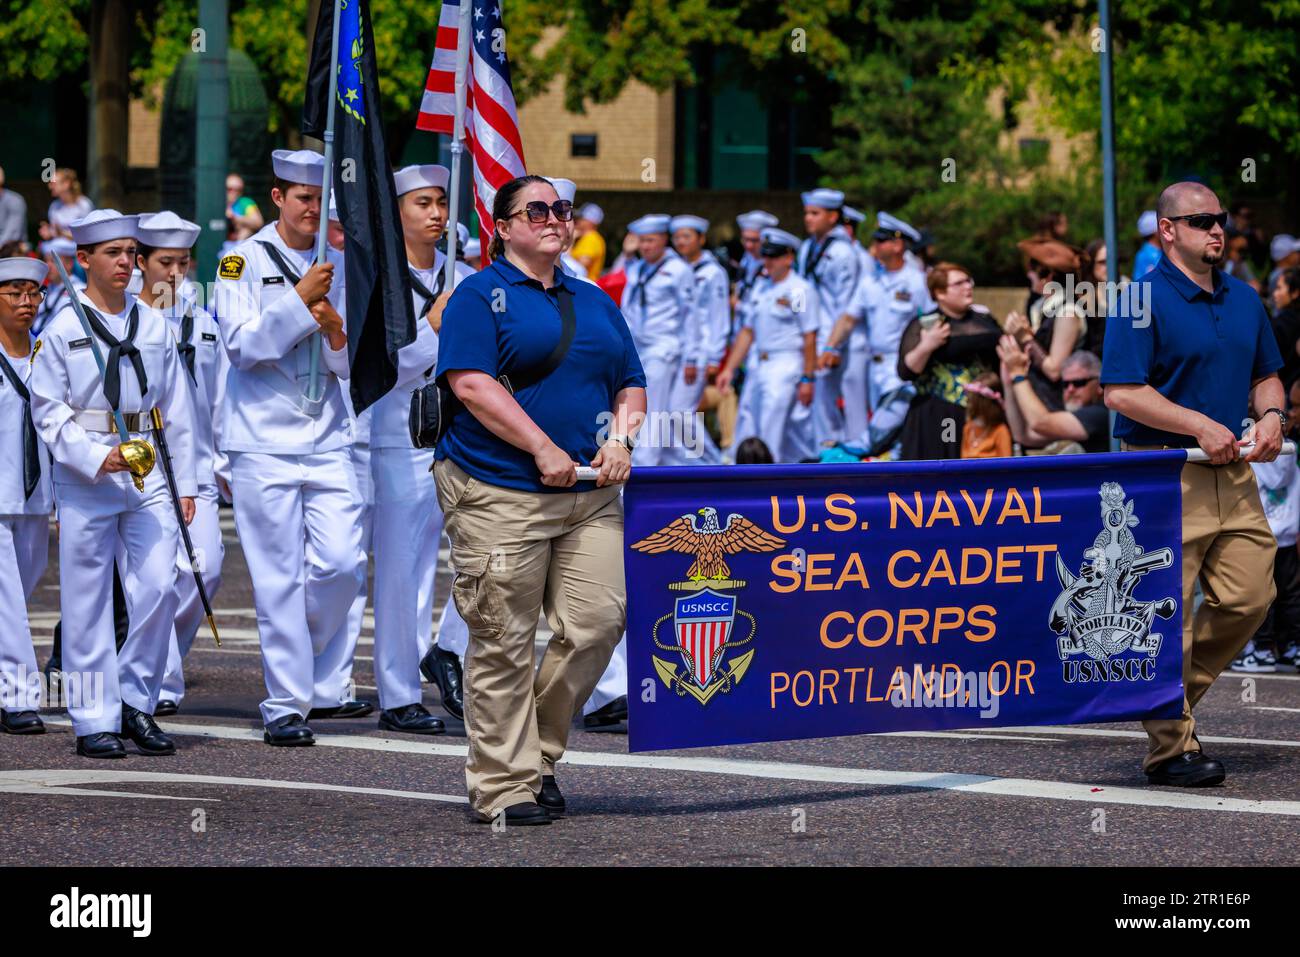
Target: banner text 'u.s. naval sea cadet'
778 335
295 491
103 516
163 254
25 496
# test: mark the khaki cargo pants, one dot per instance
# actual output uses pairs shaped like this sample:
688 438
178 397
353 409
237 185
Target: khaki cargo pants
1228 545
516 554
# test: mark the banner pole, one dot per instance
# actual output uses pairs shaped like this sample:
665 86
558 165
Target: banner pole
457 146
322 234
1198 454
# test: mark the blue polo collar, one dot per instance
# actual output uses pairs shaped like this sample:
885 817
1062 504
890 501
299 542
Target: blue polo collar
1186 287
514 275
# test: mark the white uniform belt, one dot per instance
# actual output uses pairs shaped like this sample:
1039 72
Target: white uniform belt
99 421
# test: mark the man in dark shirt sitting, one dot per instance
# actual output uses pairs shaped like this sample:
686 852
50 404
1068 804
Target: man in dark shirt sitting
1084 420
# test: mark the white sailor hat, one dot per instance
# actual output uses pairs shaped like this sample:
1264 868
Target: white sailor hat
299 166
825 198
564 188
592 213
60 246
102 225
777 242
1148 223
697 223
1283 245
756 219
472 249
421 177
891 227
852 215
652 223
18 268
166 230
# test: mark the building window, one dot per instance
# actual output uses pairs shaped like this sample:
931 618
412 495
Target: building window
582 144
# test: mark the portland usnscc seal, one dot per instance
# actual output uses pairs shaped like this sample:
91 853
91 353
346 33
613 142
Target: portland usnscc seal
1104 630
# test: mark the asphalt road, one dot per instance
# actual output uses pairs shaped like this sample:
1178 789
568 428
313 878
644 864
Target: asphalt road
1056 796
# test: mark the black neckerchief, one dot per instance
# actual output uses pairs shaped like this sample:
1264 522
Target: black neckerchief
31 448
809 271
186 346
125 348
643 279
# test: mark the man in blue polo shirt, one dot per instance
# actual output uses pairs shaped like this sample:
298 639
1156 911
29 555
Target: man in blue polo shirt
1195 364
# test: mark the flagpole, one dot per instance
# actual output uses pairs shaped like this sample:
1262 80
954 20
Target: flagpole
457 140
322 233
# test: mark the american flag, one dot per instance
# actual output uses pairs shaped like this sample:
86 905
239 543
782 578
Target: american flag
491 123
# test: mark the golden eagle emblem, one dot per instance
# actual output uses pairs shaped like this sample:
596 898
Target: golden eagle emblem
710 542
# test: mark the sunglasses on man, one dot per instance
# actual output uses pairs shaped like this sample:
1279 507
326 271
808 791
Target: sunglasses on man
538 211
1202 221
1077 383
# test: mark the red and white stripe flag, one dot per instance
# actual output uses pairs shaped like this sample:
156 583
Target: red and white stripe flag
491 123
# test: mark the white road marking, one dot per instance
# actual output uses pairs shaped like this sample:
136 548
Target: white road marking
1109 733
925 780
1261 707
66 781
965 736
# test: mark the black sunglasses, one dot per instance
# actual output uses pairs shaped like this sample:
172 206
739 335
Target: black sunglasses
538 211
1202 221
1076 383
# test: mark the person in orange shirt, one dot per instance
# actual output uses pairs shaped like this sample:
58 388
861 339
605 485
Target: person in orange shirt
985 434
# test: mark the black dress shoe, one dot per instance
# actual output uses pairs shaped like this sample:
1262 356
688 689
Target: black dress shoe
551 798
166 708
105 744
442 668
290 732
410 719
21 722
145 733
1191 769
520 815
612 713
348 709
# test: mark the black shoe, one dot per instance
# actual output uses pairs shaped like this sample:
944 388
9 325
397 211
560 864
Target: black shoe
520 815
612 713
411 719
145 733
166 708
1191 769
105 744
551 798
21 722
290 732
442 668
348 709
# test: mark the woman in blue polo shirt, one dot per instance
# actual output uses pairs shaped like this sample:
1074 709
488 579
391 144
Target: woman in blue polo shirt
526 537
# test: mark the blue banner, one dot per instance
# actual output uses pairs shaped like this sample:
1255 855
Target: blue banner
771 603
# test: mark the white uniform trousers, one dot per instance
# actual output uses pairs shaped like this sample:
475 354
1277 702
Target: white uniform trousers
855 384
613 683
890 397
453 633
407 532
692 444
660 374
210 553
24 549
828 420
299 519
96 522
337 688
770 402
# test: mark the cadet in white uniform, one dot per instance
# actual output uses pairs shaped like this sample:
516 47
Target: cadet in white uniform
163 243
751 226
703 356
658 303
827 259
857 358
25 498
56 294
780 323
101 513
295 492
880 310
408 521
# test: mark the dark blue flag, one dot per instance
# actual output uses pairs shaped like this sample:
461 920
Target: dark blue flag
380 319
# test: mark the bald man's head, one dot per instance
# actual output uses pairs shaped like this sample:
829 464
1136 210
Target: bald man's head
1179 199
1196 248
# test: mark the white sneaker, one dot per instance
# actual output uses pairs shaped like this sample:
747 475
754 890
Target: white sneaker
1289 659
1254 662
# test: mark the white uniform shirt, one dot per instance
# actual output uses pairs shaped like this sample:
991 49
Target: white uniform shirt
13 496
66 380
833 268
267 331
780 313
56 297
658 304
888 302
712 311
390 416
208 385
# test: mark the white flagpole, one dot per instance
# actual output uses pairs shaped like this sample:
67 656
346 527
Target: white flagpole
322 234
464 27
